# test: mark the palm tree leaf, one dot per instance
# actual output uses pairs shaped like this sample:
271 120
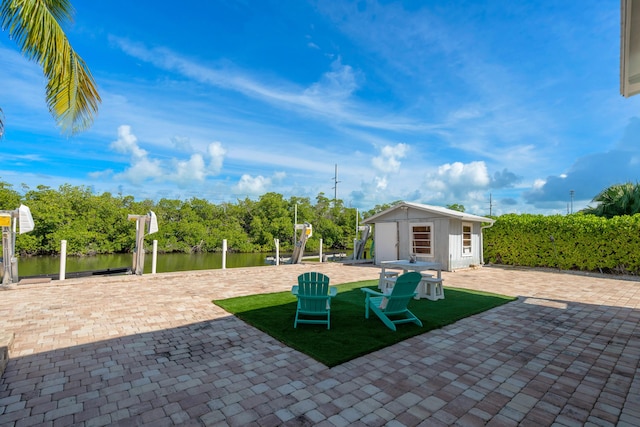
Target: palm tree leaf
619 199
71 92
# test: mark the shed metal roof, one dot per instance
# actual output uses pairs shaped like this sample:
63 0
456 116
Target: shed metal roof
438 210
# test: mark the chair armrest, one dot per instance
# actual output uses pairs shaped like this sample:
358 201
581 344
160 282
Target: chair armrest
372 292
333 291
294 290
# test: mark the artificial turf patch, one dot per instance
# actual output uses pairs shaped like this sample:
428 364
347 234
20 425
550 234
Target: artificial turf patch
351 335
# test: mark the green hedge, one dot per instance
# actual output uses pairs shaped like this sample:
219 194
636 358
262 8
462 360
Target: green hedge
572 242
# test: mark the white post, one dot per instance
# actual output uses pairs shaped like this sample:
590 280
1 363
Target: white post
277 243
154 257
355 248
224 254
295 221
355 244
63 259
320 255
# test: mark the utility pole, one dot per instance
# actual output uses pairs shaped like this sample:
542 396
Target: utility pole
335 187
571 192
490 204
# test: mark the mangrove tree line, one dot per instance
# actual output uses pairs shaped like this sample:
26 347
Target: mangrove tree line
97 223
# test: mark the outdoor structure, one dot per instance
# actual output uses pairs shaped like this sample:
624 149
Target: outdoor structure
147 222
431 233
359 244
306 231
9 221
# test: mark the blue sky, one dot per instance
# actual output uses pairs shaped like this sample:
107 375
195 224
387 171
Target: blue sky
423 101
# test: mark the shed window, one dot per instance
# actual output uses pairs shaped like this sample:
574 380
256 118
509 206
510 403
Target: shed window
422 239
466 239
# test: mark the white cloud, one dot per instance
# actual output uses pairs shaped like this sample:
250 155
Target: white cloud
189 171
258 185
381 183
216 155
330 97
538 184
252 185
127 143
143 168
102 175
182 143
279 176
456 182
458 174
340 82
389 159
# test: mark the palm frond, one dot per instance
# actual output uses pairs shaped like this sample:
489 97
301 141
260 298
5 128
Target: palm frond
36 26
619 199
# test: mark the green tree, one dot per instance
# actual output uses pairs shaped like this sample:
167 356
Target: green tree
271 219
172 232
322 207
37 28
47 217
332 222
107 220
242 211
230 225
9 198
379 208
456 207
305 213
619 199
95 224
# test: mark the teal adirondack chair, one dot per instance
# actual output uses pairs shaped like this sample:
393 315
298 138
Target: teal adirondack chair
392 309
314 299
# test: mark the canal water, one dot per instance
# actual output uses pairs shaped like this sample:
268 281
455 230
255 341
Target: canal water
49 265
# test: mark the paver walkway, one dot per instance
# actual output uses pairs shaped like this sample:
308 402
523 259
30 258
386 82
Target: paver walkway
154 350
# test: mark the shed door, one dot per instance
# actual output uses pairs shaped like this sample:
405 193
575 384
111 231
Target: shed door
386 238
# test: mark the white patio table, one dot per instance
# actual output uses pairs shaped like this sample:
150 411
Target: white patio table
387 279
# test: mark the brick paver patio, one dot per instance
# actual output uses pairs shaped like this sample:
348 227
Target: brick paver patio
154 350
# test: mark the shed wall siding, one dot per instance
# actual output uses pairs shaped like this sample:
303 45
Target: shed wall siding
458 260
455 242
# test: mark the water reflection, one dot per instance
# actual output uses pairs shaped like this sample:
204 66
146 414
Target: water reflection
42 265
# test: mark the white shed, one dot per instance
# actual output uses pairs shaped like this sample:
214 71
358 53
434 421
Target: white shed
432 233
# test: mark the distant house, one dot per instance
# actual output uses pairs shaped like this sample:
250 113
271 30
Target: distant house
432 233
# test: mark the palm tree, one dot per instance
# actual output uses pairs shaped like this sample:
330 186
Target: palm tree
619 199
36 26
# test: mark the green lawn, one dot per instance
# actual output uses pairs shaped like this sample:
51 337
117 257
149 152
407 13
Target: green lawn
352 335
